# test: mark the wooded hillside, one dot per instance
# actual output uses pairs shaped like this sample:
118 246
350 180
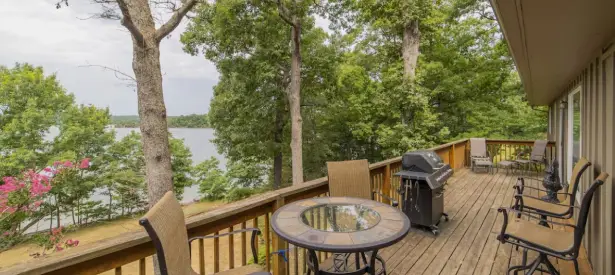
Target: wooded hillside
386 78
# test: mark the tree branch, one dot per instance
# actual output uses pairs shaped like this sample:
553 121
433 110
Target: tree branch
175 19
118 74
284 13
127 22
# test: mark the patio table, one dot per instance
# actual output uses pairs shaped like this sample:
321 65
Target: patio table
340 225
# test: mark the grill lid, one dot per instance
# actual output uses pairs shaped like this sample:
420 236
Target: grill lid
423 161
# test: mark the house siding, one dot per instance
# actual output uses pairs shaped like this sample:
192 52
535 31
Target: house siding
597 83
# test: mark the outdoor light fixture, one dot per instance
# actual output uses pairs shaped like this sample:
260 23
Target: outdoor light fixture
563 104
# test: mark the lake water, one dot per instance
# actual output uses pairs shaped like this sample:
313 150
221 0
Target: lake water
199 143
197 140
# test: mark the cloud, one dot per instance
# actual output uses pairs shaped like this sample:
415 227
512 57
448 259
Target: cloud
61 41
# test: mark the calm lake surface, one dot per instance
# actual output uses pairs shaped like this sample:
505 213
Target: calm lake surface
199 143
197 140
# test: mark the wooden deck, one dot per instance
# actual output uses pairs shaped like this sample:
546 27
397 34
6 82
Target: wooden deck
467 243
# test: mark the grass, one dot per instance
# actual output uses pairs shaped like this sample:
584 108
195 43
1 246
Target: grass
21 253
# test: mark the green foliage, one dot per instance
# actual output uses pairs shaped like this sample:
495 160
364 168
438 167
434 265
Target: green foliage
213 184
30 103
184 121
181 161
246 174
240 193
356 102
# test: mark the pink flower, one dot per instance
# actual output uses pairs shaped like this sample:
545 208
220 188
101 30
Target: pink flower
59 248
71 243
68 163
10 210
47 169
85 163
6 233
56 231
57 163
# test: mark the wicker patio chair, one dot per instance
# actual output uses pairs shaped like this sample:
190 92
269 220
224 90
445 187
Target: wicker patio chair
479 156
165 225
537 156
562 210
351 179
547 242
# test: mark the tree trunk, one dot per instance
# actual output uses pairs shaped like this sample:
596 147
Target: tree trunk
294 100
58 212
72 212
110 204
410 48
277 139
152 111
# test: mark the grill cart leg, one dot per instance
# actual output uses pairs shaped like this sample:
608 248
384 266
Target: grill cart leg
434 230
445 217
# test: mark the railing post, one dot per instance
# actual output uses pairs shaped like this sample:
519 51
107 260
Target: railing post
279 264
386 183
451 156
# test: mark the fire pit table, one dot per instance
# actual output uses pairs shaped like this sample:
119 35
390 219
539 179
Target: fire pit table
341 225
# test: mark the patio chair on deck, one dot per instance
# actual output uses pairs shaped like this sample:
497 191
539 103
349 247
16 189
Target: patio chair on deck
351 179
479 156
165 225
537 156
547 242
562 210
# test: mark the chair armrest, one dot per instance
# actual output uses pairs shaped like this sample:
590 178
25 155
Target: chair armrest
394 203
529 214
255 232
502 236
560 204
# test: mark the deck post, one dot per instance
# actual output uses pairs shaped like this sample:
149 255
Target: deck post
451 156
279 263
386 184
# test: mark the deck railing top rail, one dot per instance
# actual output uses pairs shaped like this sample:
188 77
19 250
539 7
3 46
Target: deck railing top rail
115 252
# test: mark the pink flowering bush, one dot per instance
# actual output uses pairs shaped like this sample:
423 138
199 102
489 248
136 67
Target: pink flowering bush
20 197
53 241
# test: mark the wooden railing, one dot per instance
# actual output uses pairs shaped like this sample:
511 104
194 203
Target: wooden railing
131 253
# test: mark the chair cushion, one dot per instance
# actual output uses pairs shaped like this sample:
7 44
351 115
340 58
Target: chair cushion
252 269
544 206
531 232
483 162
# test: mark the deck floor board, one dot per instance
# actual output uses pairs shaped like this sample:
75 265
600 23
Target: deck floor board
467 243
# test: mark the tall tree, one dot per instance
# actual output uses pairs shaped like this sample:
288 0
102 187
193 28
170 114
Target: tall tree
292 13
136 17
249 45
30 104
399 21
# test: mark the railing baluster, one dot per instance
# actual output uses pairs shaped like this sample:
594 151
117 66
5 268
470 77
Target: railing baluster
286 246
296 259
216 253
243 244
256 244
201 257
118 270
231 249
142 266
318 226
305 267
267 244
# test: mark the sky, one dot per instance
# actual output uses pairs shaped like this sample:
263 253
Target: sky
63 42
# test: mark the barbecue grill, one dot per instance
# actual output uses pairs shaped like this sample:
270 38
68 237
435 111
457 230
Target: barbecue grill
423 176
